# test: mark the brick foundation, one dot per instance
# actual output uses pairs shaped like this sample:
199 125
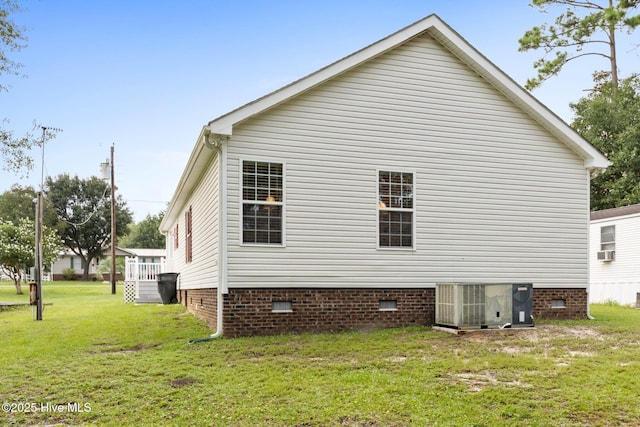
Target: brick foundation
203 303
575 301
249 311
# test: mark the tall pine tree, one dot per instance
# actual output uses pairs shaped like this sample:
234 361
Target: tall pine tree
609 118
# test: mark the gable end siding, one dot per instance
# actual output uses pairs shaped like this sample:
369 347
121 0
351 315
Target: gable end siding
499 198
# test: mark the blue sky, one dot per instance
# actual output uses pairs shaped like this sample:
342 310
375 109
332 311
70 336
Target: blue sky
146 76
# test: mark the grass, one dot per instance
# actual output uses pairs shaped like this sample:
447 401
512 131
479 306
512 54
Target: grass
131 365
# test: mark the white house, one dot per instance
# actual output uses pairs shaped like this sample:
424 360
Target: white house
68 259
342 199
615 256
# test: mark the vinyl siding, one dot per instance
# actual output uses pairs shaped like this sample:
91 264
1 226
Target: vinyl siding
618 280
497 198
202 272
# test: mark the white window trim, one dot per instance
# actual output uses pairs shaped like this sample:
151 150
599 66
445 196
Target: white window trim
414 210
607 243
283 244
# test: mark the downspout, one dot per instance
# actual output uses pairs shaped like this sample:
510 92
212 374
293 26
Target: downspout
589 172
218 142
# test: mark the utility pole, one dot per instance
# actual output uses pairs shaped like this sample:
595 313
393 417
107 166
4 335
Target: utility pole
113 227
39 215
38 257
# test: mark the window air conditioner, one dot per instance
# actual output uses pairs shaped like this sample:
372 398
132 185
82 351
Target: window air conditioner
606 256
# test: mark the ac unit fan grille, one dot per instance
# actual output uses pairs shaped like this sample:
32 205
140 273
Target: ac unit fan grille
473 305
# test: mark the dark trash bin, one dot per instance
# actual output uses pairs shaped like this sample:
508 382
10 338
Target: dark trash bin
167 287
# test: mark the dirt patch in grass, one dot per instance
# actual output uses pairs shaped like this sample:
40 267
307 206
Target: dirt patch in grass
183 382
119 350
357 422
478 381
534 335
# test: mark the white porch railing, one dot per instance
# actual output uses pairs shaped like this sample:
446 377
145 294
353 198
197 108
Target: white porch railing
138 274
136 271
46 277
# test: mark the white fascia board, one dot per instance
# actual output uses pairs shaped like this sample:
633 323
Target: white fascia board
194 168
615 218
437 28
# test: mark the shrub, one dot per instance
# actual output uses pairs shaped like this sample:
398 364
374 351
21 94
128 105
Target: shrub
69 274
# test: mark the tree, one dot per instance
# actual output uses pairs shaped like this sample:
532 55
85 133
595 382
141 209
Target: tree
105 265
16 203
17 248
594 33
14 149
84 213
19 202
12 39
609 119
145 234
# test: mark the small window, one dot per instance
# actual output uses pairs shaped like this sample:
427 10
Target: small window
607 252
176 238
76 263
395 210
281 307
388 305
558 303
608 238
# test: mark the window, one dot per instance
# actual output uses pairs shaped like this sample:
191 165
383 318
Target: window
76 263
188 246
176 240
395 210
388 305
281 307
607 252
262 202
608 238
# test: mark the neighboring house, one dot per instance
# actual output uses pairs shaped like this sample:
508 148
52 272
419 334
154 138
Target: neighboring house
342 199
615 256
70 260
151 256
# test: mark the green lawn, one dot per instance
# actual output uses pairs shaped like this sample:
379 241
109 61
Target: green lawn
123 364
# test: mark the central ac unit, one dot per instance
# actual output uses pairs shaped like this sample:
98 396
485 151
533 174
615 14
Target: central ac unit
484 305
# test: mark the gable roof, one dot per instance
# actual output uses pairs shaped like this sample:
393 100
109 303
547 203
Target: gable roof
457 45
615 212
217 130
